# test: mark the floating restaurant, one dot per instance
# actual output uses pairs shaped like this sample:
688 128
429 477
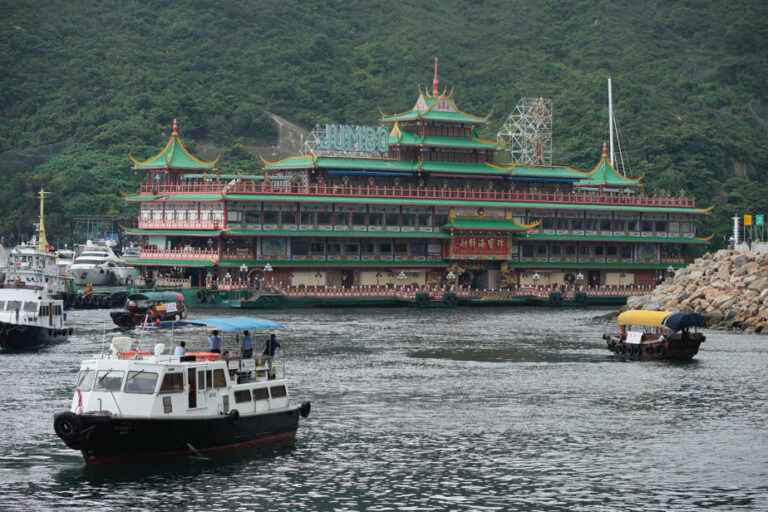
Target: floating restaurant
420 201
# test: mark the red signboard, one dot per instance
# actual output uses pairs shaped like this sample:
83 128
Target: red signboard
480 247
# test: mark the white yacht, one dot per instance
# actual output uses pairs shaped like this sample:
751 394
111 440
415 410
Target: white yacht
97 264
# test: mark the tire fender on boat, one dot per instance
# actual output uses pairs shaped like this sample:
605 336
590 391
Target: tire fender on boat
67 425
305 408
234 415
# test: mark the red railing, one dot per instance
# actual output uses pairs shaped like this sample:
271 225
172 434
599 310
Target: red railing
419 192
179 254
180 224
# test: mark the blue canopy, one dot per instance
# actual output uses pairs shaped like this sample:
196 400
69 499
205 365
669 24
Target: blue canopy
236 323
679 321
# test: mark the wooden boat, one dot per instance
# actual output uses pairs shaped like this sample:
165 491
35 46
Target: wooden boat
134 405
656 335
150 308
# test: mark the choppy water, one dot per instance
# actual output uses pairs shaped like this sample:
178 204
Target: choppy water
415 410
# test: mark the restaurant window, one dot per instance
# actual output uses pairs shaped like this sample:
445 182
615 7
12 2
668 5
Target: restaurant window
547 223
577 224
424 220
299 247
611 251
288 217
270 217
333 248
563 224
401 248
441 220
253 217
376 219
409 219
527 251
242 395
368 248
541 250
619 225
590 224
343 218
392 219
626 252
358 219
554 251
570 250
307 218
172 383
141 382
317 247
585 250
599 250
323 218
646 225
385 248
661 226
351 248
605 224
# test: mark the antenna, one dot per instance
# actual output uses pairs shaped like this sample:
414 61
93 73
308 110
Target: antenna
610 119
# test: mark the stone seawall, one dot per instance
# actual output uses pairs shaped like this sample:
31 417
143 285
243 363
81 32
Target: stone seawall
729 287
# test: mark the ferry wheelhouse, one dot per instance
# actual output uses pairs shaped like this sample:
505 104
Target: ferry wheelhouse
131 405
434 205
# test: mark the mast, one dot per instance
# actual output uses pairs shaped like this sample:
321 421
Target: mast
610 119
435 82
42 241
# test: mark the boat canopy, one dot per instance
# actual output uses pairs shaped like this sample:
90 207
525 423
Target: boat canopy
236 323
158 296
673 321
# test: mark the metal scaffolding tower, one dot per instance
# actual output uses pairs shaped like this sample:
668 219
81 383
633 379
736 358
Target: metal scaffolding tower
526 134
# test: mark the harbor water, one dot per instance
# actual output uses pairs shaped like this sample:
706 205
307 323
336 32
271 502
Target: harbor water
435 409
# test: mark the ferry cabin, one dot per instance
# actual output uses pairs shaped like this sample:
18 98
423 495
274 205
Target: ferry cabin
25 307
165 386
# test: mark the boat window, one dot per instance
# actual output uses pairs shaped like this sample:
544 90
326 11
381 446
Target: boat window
201 380
278 391
109 380
219 380
172 383
85 379
43 310
141 382
2 305
244 395
30 307
209 378
57 310
260 394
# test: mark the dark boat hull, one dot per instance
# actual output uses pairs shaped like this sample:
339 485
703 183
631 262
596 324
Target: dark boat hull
674 348
21 337
106 439
127 320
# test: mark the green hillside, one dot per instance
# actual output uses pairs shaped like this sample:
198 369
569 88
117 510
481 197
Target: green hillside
85 83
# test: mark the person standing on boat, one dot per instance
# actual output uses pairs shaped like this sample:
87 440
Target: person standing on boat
247 345
214 342
181 349
272 346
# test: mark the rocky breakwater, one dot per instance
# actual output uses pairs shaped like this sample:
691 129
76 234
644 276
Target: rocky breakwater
730 288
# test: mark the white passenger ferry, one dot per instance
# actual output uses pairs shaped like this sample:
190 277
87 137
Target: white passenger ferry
131 405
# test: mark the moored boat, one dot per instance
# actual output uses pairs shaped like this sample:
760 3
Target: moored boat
656 335
132 405
150 307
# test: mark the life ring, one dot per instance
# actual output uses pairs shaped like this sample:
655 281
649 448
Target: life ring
305 408
67 425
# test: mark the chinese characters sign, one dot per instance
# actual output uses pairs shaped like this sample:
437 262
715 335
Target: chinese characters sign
478 247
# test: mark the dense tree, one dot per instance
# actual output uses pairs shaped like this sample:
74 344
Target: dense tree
85 83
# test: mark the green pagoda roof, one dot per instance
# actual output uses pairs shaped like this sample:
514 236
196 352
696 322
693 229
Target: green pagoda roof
605 175
404 138
432 107
174 156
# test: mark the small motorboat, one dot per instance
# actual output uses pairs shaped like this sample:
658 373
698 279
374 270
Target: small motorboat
134 405
656 335
150 308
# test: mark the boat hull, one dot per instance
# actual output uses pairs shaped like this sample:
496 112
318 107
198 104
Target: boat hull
103 439
674 348
22 337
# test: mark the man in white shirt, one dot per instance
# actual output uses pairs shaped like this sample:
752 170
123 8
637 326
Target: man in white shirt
181 349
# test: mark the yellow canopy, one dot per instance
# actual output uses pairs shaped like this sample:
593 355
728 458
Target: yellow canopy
646 318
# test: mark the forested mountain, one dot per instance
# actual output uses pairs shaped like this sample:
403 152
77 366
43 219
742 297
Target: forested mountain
84 83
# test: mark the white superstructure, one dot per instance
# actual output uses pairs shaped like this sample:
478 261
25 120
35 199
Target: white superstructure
98 265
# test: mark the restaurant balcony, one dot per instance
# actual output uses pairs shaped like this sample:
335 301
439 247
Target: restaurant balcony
180 224
185 253
415 192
